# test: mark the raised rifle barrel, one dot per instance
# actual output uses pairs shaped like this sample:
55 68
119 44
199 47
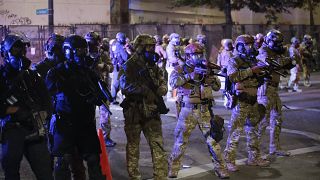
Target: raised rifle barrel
214 66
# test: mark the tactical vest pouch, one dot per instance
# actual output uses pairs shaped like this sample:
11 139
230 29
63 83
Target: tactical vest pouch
245 97
206 92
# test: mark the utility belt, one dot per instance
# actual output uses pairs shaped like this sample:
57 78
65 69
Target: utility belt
246 98
36 124
130 101
205 103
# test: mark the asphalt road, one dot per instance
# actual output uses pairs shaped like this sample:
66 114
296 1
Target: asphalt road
300 136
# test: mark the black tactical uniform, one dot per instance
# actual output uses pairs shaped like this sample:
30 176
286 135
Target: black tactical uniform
73 124
24 105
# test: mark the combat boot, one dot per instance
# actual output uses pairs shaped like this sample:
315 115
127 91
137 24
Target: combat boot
258 162
222 173
232 167
172 174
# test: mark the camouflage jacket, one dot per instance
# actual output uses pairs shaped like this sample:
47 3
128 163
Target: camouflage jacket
136 76
282 58
271 85
240 73
197 89
102 65
306 54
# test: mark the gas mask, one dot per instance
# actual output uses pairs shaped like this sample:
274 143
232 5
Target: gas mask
80 56
77 56
247 51
276 46
55 54
150 55
16 55
175 41
195 59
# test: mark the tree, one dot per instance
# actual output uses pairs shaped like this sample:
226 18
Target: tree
270 7
311 5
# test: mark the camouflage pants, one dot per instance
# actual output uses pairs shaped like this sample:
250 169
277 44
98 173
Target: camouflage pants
306 72
135 123
272 117
243 115
188 119
105 122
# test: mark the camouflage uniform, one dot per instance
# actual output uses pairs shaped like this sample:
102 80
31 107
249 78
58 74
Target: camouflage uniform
101 64
140 110
245 112
306 59
294 72
202 40
196 109
268 95
165 41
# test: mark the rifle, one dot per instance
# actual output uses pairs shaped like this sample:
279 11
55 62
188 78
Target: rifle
270 66
97 91
208 69
28 107
161 106
100 95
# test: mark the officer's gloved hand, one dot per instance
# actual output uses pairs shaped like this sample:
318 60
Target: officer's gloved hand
257 69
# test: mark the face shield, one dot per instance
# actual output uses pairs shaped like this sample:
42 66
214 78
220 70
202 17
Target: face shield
54 53
196 59
276 46
250 50
16 54
175 40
